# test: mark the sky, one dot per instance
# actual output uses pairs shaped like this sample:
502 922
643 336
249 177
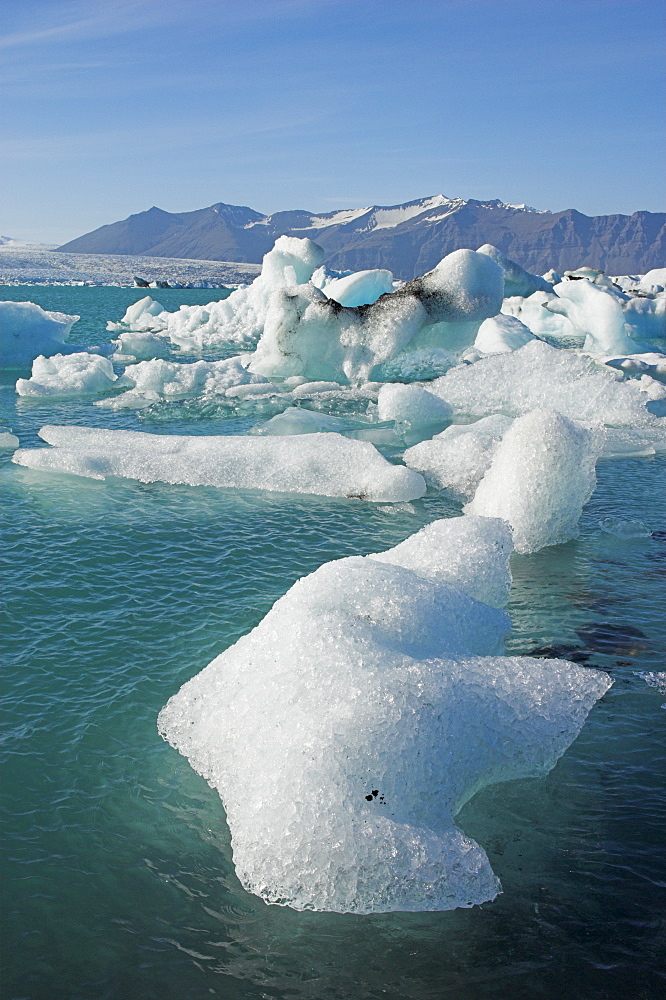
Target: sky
112 106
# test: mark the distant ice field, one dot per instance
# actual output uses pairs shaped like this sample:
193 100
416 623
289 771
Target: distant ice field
38 265
118 863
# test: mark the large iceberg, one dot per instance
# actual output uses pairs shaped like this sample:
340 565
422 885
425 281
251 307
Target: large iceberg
326 463
347 730
27 330
541 476
308 334
239 319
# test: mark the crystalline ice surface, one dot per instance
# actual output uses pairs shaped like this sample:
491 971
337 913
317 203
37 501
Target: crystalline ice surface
542 474
325 464
501 334
470 554
522 380
459 457
306 334
68 375
346 731
239 319
173 378
27 330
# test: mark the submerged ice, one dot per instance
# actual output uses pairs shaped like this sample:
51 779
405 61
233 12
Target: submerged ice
346 731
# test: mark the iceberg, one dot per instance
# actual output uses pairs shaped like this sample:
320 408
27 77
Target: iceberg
348 729
501 334
145 316
412 407
596 313
517 281
132 346
68 375
307 334
539 320
541 476
160 378
27 330
326 463
518 382
239 319
459 457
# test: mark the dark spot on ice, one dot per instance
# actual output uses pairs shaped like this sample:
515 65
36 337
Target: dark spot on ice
369 798
375 792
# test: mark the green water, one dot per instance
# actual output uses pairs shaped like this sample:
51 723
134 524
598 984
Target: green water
117 870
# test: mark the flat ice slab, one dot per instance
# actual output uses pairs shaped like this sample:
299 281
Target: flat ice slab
324 464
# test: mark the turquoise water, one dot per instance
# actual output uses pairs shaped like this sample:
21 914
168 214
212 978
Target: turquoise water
118 877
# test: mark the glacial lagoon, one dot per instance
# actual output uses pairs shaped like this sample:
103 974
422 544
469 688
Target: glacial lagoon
119 876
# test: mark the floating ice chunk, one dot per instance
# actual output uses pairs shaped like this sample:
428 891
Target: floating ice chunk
179 379
459 457
68 375
360 288
346 731
597 314
654 281
27 330
306 334
624 529
501 334
517 281
518 382
256 389
143 316
646 317
625 443
542 475
131 347
532 312
296 420
470 554
654 679
325 464
306 389
412 407
239 319
8 441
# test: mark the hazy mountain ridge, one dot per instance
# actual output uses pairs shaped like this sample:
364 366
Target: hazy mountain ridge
409 239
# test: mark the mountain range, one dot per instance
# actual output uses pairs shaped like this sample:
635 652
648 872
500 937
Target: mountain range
407 239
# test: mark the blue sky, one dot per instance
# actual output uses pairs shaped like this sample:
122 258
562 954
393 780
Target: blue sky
111 107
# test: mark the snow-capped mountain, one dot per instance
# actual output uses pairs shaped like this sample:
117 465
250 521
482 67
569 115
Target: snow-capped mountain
408 239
